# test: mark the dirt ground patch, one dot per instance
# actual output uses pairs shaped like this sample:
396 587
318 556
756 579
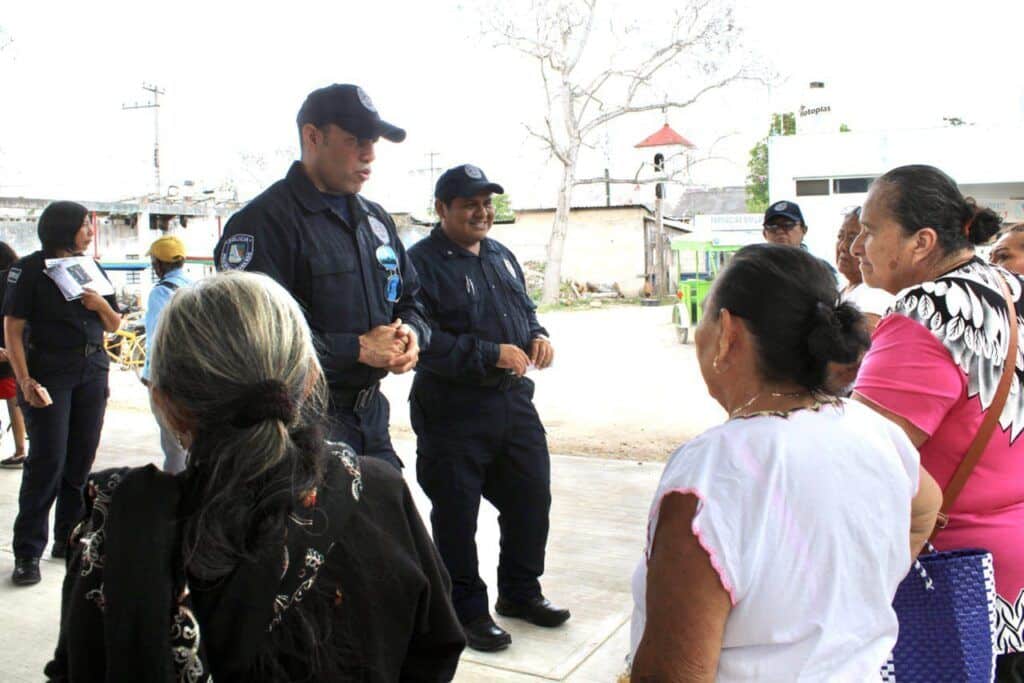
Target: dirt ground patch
621 386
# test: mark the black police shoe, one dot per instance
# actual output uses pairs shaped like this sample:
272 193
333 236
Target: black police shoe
484 635
538 611
59 551
26 571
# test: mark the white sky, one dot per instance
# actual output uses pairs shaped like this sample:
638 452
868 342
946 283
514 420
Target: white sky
236 74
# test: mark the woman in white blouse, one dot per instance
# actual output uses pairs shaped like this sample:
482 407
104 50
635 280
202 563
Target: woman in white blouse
777 540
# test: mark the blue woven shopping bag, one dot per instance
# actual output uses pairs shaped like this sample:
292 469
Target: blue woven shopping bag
947 612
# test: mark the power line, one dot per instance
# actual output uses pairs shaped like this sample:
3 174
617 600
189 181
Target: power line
156 92
432 170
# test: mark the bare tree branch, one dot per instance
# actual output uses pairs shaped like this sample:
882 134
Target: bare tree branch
549 144
584 37
556 33
678 104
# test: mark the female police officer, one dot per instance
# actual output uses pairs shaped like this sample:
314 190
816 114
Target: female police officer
56 350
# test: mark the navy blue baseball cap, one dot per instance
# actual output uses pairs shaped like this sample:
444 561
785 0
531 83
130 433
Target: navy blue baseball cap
464 181
790 210
348 107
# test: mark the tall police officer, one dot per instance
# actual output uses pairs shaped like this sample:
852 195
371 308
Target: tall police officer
477 430
339 255
56 350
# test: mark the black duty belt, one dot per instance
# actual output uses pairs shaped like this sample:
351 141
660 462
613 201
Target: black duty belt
501 381
83 350
356 399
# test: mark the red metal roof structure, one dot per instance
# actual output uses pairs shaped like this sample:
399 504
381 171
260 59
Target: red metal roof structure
664 138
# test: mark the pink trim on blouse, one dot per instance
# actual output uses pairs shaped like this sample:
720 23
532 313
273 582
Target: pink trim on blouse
722 576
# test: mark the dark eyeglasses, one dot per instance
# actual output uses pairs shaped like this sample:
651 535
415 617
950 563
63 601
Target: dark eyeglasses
387 258
781 226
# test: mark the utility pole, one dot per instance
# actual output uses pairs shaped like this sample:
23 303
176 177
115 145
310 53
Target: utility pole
431 169
156 92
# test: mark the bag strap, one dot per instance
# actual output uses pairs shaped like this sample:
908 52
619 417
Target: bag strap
988 424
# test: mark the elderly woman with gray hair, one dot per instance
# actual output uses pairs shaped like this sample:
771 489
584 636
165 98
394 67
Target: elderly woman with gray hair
275 555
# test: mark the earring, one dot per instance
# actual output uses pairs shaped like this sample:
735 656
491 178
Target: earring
714 364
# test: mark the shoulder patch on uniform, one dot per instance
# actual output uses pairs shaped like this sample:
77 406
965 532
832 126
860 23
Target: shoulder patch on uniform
12 275
380 230
237 252
511 268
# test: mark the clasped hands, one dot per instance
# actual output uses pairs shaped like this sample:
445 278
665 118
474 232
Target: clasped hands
513 358
393 347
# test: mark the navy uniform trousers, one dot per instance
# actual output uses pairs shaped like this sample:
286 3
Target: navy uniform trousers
484 441
63 438
363 425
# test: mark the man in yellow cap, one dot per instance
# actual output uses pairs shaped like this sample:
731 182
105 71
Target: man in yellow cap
167 256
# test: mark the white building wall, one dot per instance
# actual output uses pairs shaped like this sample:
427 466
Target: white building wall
602 245
985 160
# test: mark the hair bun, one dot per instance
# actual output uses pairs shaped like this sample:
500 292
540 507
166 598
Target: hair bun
836 333
267 400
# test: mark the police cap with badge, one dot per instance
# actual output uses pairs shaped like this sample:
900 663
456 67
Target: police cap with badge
790 210
350 108
464 181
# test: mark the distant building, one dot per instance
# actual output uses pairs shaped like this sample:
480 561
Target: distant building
605 244
711 201
829 173
123 232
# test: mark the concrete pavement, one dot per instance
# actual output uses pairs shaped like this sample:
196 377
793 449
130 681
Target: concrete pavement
598 522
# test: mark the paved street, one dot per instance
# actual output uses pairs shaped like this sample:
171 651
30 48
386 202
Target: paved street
597 526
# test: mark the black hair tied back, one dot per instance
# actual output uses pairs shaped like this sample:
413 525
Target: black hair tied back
983 224
836 334
787 299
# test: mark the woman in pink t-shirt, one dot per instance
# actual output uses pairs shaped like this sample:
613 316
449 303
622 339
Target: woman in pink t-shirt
935 362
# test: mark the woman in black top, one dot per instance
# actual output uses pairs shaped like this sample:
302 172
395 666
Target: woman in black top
55 347
275 556
8 387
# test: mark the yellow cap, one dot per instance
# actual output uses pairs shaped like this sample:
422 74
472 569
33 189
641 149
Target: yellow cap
167 249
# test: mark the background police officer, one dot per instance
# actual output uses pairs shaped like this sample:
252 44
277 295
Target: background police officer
339 255
784 224
477 430
56 350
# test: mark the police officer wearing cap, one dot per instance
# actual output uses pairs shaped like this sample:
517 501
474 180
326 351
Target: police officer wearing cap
56 350
784 224
339 255
477 431
167 257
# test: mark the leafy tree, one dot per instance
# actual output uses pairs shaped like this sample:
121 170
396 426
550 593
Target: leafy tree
757 178
783 124
503 208
757 164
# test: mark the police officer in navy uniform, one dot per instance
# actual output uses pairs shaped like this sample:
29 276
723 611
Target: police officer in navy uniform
56 350
478 433
784 224
339 255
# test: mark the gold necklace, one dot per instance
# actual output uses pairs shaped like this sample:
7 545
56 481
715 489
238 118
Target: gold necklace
774 394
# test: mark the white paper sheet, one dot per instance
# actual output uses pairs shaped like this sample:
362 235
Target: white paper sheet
76 273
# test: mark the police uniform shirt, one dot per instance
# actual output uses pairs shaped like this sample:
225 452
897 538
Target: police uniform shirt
475 302
292 234
58 332
6 371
